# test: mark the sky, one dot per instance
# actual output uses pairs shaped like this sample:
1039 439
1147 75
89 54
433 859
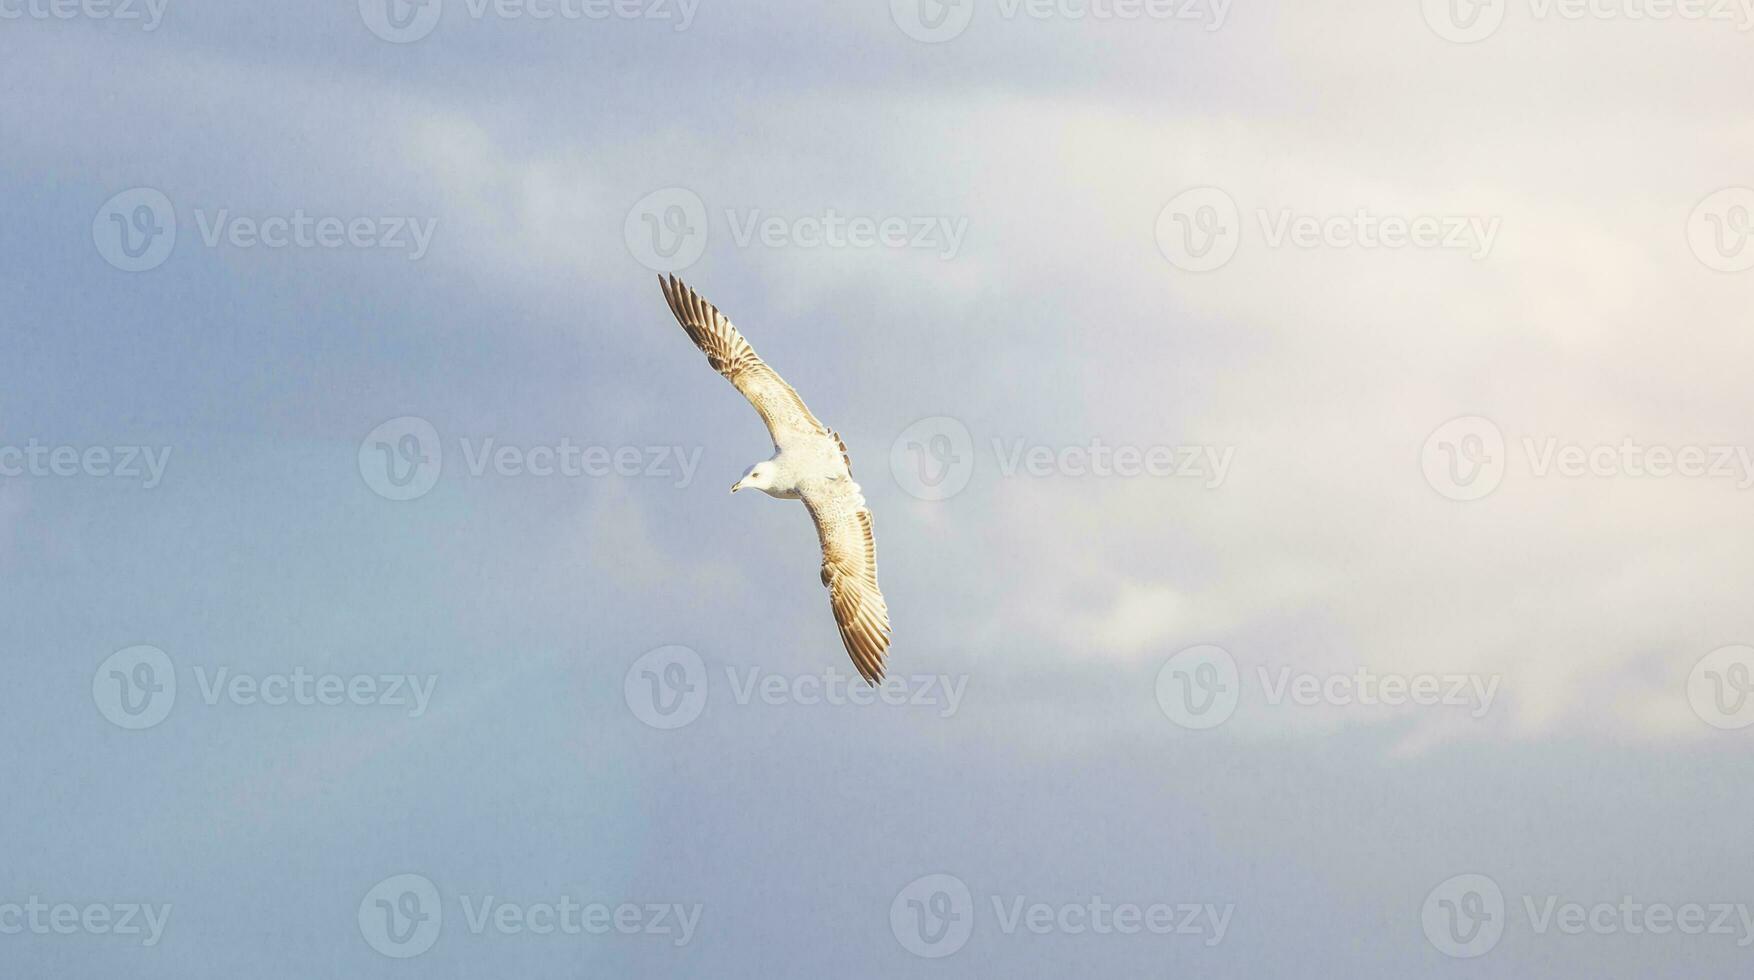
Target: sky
1310 448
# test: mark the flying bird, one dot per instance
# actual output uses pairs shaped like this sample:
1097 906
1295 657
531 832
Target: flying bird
809 463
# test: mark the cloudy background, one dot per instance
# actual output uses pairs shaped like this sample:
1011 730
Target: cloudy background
1080 297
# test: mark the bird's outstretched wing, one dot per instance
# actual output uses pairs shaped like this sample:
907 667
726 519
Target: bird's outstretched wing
849 570
787 418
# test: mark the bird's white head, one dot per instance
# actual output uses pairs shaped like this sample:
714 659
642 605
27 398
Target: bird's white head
760 477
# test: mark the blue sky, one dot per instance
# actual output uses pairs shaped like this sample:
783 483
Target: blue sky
1309 451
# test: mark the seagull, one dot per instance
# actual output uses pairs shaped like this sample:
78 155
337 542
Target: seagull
809 463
